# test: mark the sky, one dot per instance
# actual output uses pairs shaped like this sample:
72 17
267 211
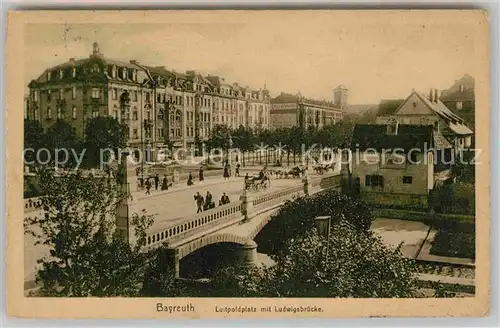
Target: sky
374 59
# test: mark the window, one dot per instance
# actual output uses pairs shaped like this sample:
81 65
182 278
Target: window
35 95
124 73
73 72
134 115
159 133
135 136
59 113
95 69
147 96
49 95
95 113
61 94
160 116
148 115
61 74
114 93
134 95
49 75
459 105
96 93
115 113
462 88
73 93
374 181
113 72
414 104
49 113
73 112
407 180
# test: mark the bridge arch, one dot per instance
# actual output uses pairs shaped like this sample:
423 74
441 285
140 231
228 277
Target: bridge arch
216 238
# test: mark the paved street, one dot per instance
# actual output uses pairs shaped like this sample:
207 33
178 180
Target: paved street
178 202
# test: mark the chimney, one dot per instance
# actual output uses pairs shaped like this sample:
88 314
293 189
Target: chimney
133 61
431 95
72 60
438 94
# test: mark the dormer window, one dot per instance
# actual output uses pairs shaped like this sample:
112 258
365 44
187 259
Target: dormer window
61 74
73 72
134 75
49 75
124 73
392 127
113 72
462 88
95 69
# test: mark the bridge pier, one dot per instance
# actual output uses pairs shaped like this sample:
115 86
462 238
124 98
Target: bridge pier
247 253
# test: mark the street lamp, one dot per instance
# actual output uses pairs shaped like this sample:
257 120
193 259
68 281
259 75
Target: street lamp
323 224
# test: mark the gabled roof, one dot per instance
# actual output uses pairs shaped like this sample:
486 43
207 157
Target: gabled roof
408 137
455 93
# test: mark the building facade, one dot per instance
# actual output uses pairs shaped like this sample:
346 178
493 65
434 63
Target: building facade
384 176
161 107
420 109
289 110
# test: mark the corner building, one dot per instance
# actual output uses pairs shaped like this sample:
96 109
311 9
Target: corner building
160 106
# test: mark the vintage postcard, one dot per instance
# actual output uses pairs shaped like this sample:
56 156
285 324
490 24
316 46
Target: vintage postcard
217 164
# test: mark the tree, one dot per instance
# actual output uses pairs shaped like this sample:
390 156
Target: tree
296 218
103 133
349 264
87 258
244 140
62 135
34 138
356 265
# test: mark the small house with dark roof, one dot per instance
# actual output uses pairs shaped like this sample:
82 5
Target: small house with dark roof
460 98
393 163
450 130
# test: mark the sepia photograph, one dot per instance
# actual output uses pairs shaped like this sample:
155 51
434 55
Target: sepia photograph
248 163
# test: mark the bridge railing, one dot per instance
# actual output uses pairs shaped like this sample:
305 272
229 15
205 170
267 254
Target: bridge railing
196 223
224 214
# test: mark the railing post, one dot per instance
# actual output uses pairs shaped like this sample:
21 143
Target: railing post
246 204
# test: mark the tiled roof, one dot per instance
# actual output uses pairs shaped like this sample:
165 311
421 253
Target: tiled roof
375 136
440 141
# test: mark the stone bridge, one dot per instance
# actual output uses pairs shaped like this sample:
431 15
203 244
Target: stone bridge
238 222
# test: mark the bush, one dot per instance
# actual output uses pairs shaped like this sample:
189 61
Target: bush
456 198
454 244
296 218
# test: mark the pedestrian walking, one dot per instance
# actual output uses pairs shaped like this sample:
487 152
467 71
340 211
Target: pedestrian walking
237 171
148 187
200 174
226 172
157 181
190 179
164 183
199 202
208 201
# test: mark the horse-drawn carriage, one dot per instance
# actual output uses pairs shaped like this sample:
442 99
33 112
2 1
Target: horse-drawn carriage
294 172
322 168
258 182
